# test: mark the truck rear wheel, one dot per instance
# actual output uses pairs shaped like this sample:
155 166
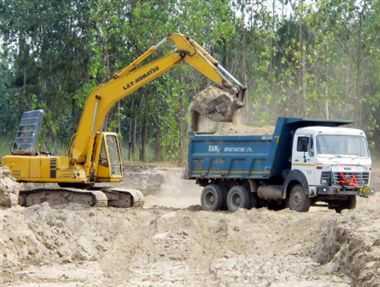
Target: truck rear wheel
213 197
298 200
238 197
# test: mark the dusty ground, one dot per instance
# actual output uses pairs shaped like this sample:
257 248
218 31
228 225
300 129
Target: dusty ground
172 243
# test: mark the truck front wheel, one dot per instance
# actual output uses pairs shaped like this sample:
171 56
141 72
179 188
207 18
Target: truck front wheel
213 197
238 197
350 203
298 200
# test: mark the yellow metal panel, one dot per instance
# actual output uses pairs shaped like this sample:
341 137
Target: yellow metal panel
103 172
35 167
18 165
45 167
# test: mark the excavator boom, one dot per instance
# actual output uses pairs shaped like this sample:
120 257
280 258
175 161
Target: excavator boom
136 75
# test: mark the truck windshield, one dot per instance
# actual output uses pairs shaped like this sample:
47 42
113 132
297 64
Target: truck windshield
342 145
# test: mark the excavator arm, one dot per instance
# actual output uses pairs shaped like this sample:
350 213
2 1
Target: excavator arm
136 75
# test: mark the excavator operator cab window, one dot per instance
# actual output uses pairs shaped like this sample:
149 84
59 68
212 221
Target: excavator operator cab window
103 159
115 160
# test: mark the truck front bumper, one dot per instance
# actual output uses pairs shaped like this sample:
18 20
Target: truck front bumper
337 190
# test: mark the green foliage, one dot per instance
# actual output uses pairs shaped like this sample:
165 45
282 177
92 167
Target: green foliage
298 58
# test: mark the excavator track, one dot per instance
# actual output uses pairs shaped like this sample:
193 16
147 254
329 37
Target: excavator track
124 198
97 197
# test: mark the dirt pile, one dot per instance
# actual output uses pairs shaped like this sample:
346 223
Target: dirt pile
236 128
240 129
163 246
351 244
9 189
147 179
159 246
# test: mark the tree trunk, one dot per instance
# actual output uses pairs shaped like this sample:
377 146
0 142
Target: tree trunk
180 124
143 134
302 83
158 144
357 97
142 142
130 138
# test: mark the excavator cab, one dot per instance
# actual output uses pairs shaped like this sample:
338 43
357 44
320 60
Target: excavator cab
110 160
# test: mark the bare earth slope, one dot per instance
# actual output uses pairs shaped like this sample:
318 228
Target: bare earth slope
163 247
167 246
351 243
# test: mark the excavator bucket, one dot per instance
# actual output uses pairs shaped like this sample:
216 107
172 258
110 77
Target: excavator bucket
216 104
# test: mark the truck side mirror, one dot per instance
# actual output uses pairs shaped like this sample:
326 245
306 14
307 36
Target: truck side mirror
311 147
311 152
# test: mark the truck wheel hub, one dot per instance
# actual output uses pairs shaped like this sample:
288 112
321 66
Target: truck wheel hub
296 199
236 199
210 198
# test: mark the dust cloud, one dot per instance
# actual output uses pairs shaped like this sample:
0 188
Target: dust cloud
163 186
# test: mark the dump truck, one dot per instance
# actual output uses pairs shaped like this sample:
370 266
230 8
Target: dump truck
305 162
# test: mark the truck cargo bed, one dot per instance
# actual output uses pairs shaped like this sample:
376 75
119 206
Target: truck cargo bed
230 156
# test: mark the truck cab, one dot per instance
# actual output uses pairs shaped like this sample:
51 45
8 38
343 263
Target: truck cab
332 159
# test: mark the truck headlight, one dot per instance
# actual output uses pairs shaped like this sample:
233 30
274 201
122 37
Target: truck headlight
326 178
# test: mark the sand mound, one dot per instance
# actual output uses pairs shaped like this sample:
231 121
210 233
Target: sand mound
207 126
163 246
351 244
42 246
239 129
9 189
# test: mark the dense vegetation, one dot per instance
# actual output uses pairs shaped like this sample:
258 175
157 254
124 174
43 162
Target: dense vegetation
302 58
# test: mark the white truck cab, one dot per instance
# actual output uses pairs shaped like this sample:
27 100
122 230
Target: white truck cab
333 159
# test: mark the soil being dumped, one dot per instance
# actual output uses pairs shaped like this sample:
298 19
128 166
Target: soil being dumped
162 245
213 111
215 104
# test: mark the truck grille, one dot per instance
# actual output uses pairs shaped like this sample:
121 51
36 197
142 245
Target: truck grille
362 178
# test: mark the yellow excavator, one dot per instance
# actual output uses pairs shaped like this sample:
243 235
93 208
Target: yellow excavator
95 155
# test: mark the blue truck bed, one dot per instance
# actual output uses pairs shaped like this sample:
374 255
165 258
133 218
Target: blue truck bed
246 156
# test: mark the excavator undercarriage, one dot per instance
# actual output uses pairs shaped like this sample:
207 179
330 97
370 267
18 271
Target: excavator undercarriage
95 197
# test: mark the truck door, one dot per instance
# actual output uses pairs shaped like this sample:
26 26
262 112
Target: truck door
303 157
